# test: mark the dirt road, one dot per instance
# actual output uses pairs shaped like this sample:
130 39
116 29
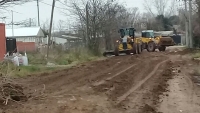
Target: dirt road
157 82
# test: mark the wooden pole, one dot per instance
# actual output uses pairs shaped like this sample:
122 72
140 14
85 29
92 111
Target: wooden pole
49 34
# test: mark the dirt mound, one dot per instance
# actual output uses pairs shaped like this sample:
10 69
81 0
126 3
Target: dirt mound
162 84
158 89
13 92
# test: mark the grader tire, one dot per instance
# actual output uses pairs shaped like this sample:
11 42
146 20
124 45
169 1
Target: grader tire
162 48
104 54
151 47
142 47
134 50
128 53
139 49
116 52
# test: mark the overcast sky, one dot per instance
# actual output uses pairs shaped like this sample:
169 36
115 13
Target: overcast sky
29 10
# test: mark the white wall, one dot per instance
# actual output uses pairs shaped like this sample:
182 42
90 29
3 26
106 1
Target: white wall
59 40
32 39
26 39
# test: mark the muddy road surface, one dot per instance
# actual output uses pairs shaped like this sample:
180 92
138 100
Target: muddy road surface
157 82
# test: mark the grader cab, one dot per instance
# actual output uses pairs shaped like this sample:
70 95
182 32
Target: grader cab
127 43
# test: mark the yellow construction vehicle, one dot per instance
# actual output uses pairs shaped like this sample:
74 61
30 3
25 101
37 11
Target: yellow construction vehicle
127 43
151 42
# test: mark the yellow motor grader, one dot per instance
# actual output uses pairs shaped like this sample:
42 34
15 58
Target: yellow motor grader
151 41
127 43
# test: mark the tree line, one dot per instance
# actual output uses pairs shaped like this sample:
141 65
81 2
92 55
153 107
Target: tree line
98 21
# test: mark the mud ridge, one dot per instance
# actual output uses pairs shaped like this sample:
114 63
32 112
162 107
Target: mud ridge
158 91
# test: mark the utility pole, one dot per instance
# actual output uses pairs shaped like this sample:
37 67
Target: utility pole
38 12
186 25
30 21
190 24
12 24
49 33
87 25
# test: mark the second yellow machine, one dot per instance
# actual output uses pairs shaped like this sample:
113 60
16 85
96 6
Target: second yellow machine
152 41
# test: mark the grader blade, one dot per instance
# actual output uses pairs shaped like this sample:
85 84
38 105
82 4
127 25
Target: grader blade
108 53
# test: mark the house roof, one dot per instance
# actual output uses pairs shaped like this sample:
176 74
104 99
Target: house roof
25 32
68 37
147 31
164 33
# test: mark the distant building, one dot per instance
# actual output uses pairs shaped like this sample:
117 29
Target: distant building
164 33
59 40
67 39
28 38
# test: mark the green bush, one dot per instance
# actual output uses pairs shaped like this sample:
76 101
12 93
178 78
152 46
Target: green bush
30 68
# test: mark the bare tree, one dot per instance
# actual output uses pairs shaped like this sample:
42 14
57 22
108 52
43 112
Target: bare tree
160 7
99 21
61 25
91 22
45 25
5 3
134 15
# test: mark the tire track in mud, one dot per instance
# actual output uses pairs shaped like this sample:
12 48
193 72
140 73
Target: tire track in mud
91 77
115 75
85 67
146 98
158 85
123 97
60 80
123 82
65 80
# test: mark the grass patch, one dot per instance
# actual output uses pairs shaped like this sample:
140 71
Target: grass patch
7 68
36 58
28 70
37 62
76 55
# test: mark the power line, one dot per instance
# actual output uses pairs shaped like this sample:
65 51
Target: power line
59 8
17 12
62 3
55 6
25 23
